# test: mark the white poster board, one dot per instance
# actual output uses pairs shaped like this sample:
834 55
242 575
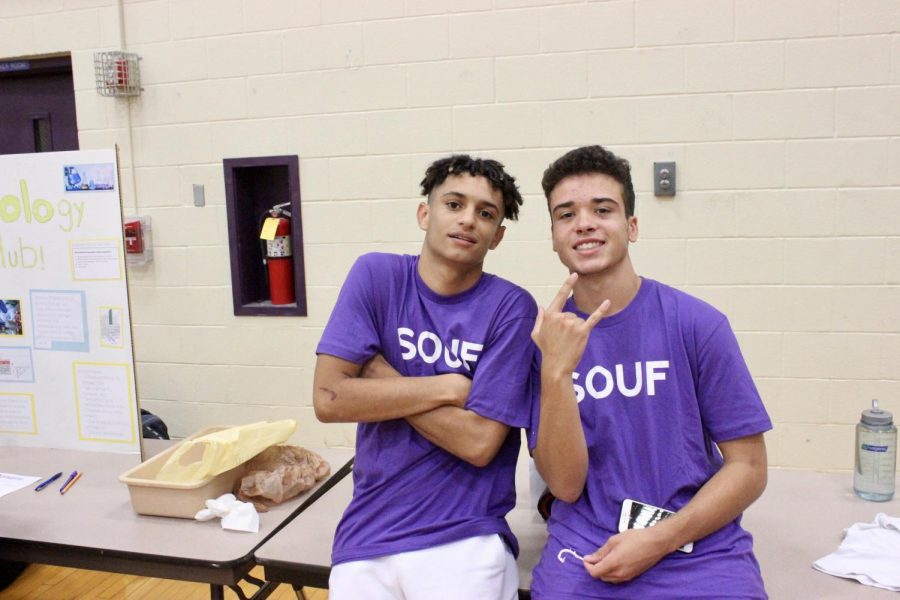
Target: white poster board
66 362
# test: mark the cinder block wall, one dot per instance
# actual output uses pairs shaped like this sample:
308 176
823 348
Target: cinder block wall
783 117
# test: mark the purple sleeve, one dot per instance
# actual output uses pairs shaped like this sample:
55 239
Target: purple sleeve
352 329
730 405
534 392
500 387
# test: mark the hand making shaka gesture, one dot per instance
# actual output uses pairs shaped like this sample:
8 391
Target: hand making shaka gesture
562 336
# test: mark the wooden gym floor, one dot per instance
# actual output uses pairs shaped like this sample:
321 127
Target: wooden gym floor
44 582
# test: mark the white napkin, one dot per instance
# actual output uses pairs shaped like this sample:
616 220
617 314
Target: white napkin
235 515
869 553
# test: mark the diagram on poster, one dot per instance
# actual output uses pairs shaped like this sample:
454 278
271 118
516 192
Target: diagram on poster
111 326
66 365
15 364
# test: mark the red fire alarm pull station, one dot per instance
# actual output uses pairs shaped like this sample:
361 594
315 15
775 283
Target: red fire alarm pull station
117 73
134 238
138 249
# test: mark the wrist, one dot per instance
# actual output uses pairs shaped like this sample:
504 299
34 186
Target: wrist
453 390
555 377
669 536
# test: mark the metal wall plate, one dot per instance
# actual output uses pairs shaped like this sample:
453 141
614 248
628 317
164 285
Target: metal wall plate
199 195
664 178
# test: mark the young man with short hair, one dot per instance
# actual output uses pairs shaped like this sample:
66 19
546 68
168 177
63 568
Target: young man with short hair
644 396
431 356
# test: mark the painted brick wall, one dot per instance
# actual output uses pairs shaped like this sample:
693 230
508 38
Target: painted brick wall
783 116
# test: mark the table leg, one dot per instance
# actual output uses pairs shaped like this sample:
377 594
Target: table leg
265 589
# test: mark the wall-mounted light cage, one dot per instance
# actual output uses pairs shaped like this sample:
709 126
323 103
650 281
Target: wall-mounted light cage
117 73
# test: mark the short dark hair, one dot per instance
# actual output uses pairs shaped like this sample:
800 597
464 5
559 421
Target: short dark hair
591 159
491 170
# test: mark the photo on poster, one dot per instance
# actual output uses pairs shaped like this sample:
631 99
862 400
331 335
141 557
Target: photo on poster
10 317
16 365
89 178
17 413
59 320
111 327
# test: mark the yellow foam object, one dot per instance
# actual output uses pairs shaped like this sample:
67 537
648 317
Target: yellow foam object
209 455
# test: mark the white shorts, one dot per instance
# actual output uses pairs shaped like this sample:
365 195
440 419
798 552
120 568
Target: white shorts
480 568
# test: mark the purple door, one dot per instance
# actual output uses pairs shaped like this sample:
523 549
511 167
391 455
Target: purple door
37 106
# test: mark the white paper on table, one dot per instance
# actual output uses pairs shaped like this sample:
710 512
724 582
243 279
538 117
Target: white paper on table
10 482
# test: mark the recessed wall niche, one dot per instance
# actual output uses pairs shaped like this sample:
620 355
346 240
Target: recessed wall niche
252 187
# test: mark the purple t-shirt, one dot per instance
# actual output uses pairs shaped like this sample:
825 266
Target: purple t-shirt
658 383
409 494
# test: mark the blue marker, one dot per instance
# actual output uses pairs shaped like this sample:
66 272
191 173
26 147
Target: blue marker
47 482
71 477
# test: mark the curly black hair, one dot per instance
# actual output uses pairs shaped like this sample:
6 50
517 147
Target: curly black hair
491 170
586 160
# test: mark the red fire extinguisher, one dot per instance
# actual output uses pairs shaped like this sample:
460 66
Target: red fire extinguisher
279 262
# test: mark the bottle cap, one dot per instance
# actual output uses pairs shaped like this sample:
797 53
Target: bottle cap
876 416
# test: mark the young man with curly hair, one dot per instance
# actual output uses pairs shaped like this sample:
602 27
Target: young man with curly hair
431 357
644 396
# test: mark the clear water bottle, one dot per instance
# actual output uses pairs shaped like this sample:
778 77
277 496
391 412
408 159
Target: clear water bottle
876 455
